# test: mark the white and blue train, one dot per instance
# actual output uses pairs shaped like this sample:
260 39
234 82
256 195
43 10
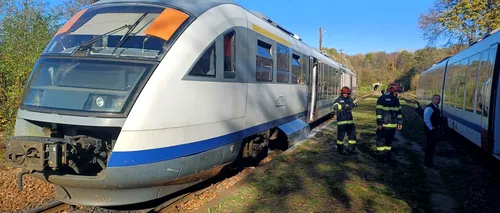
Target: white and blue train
135 100
468 85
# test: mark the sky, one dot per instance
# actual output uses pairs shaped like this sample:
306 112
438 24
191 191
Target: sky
353 26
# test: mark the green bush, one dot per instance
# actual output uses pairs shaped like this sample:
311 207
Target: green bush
26 26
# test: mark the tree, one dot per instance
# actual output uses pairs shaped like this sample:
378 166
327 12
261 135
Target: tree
27 26
405 61
68 8
460 21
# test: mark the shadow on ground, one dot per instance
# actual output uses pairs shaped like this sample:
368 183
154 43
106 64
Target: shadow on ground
316 178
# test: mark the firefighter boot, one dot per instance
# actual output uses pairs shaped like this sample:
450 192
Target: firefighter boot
340 149
352 149
382 156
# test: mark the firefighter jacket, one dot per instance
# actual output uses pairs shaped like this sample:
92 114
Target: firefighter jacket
389 111
342 107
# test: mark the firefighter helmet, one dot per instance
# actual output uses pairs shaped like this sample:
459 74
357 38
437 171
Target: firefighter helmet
394 87
345 90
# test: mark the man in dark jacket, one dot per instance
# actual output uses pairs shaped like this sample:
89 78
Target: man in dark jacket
345 123
432 128
389 118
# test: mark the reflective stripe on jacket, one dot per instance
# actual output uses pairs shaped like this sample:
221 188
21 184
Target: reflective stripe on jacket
389 111
344 113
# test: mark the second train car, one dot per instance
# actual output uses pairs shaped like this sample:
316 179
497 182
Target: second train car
468 85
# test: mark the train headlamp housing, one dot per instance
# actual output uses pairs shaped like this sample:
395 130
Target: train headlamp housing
107 103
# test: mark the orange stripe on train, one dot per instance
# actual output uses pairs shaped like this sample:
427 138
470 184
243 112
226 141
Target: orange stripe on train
165 25
71 22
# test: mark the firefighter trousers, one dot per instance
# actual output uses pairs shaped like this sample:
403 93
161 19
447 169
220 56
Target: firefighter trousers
350 129
384 141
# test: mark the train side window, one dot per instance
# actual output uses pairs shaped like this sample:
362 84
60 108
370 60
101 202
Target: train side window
283 63
455 71
336 84
327 82
462 73
205 66
330 83
470 90
264 62
230 55
483 67
488 81
320 82
296 69
304 78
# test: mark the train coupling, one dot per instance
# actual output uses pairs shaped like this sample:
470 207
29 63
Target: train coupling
81 155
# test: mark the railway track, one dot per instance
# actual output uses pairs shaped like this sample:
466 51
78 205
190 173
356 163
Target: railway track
173 204
54 207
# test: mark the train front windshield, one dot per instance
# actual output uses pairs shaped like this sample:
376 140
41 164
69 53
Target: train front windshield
84 84
136 31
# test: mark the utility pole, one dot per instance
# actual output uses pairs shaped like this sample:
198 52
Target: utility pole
320 37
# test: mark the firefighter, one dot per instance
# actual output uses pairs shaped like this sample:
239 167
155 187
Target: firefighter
345 123
389 118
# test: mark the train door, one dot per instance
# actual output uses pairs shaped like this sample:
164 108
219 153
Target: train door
313 88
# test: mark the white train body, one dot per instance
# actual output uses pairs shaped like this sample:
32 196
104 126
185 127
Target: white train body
468 85
196 106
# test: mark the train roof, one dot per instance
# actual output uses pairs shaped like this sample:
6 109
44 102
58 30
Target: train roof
194 7
476 46
198 7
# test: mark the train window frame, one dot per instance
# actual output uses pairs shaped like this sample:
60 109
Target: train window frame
199 59
231 72
282 61
261 43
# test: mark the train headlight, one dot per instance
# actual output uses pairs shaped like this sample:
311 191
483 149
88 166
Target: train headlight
99 101
118 103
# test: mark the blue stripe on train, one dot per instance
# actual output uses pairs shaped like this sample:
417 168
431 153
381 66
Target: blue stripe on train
167 153
132 158
464 122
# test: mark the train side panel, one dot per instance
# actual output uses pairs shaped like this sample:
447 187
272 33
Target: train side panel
470 80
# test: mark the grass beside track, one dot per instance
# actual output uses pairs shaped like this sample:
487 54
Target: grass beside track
316 178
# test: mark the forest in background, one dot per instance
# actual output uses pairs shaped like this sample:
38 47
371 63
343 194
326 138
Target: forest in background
402 67
26 26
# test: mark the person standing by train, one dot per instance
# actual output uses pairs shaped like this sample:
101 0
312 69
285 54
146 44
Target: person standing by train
389 118
432 128
345 124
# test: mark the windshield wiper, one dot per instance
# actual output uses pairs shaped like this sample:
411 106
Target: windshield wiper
127 34
83 46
